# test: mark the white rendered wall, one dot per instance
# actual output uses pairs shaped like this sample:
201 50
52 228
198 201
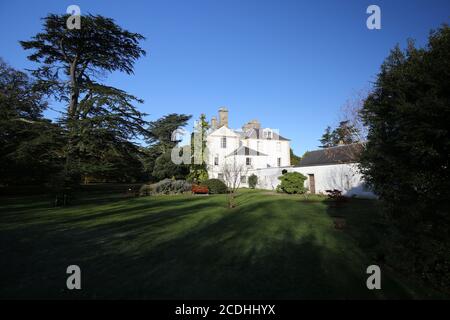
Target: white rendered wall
273 149
344 177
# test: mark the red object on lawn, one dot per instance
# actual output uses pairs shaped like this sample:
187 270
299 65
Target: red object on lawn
199 189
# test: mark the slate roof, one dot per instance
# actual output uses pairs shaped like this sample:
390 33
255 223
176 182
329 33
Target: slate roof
255 133
335 155
246 151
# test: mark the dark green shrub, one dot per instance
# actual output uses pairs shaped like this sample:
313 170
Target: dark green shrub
406 157
215 186
252 181
292 183
284 171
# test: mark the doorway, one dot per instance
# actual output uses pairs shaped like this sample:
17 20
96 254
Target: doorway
312 184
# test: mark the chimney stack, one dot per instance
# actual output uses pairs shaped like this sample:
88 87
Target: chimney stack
223 117
214 123
254 124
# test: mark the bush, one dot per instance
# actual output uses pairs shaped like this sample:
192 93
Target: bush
420 250
197 175
252 181
292 183
165 186
215 186
336 195
284 171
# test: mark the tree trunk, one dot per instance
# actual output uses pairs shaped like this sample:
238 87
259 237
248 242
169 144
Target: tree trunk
231 200
71 122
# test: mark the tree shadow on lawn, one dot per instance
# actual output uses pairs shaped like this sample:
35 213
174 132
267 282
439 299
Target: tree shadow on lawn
194 249
243 255
365 227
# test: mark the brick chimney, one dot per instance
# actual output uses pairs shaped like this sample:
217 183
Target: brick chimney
254 124
213 123
223 117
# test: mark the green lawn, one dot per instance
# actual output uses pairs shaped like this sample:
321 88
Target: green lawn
270 246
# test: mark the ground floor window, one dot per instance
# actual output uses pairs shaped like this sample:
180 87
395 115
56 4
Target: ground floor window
279 162
248 161
243 179
220 176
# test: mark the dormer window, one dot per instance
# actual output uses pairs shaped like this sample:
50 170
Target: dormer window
268 134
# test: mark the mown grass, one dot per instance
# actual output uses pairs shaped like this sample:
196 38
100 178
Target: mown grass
184 246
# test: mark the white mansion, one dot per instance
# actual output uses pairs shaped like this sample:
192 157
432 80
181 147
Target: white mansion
263 152
252 146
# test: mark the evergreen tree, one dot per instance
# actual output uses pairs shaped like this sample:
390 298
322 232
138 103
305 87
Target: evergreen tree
30 146
327 138
345 133
162 139
406 159
70 64
198 171
295 160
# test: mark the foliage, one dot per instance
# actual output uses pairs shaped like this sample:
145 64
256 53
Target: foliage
252 181
335 195
99 120
197 168
344 133
406 158
166 186
327 138
295 160
165 168
215 186
197 175
161 131
157 159
30 146
292 183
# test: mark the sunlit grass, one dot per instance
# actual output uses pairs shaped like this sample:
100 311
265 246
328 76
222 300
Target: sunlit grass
184 246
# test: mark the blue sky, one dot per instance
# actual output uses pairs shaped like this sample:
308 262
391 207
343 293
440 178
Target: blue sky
291 64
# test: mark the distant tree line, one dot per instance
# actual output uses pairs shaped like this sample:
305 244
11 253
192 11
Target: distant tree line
344 133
